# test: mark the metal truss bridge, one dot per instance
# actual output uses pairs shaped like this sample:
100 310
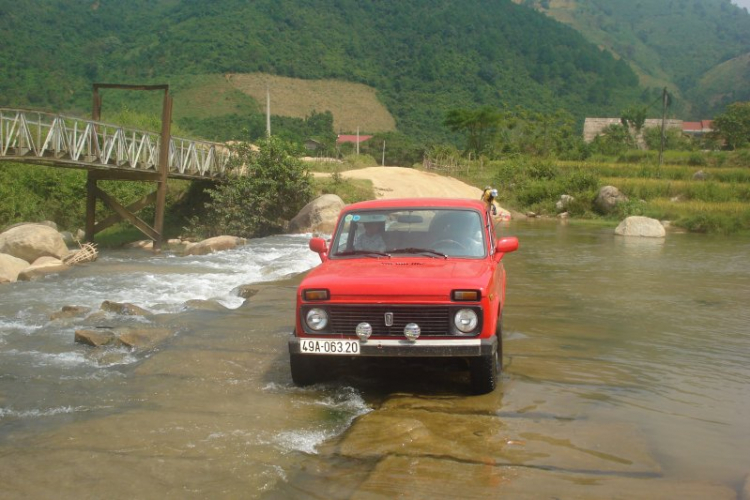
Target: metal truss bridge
65 141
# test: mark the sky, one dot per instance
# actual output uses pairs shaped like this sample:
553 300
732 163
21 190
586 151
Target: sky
742 3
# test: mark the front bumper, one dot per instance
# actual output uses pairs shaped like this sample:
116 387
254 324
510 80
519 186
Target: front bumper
442 348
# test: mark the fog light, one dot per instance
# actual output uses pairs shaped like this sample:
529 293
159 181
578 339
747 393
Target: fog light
412 331
465 320
363 331
317 319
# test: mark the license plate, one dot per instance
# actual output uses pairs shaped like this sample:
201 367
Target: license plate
337 347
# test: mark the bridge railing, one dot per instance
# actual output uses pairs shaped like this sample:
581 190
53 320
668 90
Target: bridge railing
51 138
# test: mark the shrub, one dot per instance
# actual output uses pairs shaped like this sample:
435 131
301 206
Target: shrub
276 186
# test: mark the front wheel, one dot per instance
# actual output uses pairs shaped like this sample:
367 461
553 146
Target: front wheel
485 371
304 370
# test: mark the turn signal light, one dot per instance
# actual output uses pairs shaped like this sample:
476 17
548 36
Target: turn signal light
315 295
466 295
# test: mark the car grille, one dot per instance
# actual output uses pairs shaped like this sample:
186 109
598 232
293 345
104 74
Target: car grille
432 320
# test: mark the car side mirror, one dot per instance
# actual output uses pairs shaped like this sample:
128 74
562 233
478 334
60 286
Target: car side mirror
505 245
318 245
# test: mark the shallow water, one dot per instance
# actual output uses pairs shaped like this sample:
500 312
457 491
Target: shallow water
627 370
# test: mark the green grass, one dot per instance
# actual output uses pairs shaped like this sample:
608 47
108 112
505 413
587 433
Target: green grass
720 204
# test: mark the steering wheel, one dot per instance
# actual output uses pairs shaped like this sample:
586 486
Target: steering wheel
448 244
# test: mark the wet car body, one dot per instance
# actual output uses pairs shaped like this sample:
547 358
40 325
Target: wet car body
431 284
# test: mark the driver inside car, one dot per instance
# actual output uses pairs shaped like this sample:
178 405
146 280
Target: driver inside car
371 238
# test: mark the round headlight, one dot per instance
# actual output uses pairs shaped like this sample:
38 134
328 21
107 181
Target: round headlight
317 319
412 331
363 331
465 320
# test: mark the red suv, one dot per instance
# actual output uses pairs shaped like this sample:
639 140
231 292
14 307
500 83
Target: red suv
417 277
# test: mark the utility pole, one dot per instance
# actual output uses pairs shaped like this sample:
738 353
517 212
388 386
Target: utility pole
664 104
268 112
382 162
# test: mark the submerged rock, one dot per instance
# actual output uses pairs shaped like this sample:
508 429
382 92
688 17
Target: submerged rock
70 312
124 309
95 338
245 291
141 337
135 338
215 244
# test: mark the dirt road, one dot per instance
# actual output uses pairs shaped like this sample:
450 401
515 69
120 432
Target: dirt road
398 182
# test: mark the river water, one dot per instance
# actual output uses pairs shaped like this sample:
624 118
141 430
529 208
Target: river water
627 375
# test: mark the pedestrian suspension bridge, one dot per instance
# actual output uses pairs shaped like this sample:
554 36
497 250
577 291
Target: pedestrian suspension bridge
112 152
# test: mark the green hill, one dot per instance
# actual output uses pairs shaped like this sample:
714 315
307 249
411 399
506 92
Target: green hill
419 58
673 43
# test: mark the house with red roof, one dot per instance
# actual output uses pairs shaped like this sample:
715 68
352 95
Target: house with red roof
354 139
697 129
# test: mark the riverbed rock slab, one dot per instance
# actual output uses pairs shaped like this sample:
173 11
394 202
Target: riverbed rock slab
31 241
431 477
608 198
215 244
565 445
10 266
318 216
95 338
142 338
644 227
123 308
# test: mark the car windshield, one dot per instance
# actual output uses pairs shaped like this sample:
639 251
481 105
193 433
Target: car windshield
431 233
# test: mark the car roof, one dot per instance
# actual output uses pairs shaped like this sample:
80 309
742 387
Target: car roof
417 203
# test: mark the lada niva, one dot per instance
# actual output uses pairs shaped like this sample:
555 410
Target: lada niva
418 277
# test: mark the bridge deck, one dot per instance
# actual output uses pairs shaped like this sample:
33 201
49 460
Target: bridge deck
65 141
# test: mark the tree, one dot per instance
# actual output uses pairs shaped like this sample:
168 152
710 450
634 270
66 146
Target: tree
734 125
479 125
634 118
266 189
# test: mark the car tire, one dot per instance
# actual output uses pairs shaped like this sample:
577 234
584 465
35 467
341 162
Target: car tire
304 370
484 372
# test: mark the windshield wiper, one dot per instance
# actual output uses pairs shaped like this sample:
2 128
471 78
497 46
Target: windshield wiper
419 250
361 252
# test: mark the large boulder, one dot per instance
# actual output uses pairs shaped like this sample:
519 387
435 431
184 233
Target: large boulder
10 267
31 241
318 216
608 198
641 226
215 244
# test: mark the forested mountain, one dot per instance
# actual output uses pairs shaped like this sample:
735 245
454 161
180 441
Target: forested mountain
424 57
675 43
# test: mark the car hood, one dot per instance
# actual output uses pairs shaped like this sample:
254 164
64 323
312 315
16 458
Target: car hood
386 279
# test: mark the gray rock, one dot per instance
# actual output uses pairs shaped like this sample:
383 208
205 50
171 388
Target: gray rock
563 202
215 244
318 216
10 266
641 226
700 175
31 241
608 198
